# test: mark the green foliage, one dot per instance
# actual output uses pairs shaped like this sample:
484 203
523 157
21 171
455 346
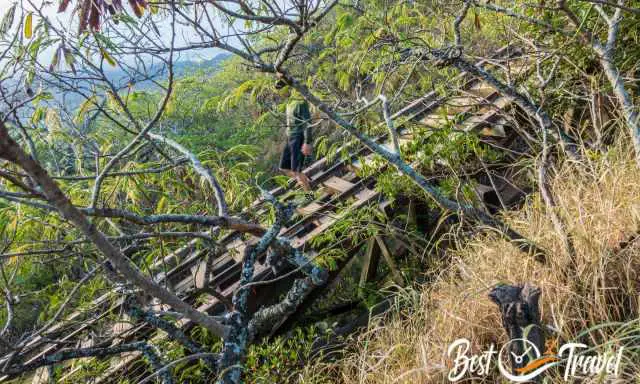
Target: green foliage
349 232
279 360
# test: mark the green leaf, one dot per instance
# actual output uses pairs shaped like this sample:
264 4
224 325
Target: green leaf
55 60
108 58
84 108
344 21
69 59
28 26
37 115
53 123
7 20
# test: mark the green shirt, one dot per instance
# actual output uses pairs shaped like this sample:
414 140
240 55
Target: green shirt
298 118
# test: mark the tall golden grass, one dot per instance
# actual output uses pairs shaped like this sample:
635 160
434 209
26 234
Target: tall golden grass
599 198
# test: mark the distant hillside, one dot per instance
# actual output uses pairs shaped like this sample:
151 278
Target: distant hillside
181 69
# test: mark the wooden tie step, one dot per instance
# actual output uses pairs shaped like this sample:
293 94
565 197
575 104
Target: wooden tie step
337 185
461 104
475 123
496 129
121 326
363 197
310 208
437 120
482 90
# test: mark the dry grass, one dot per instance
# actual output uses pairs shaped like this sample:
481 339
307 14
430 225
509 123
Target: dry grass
600 200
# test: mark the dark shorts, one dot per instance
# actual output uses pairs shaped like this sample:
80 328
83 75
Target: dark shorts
292 157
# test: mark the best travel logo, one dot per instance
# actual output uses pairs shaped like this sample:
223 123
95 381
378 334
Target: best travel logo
575 357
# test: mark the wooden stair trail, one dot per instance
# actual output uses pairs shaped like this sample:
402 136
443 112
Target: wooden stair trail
476 106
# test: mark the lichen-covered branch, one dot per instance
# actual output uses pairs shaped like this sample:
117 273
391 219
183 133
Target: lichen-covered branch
205 172
237 339
605 52
229 222
71 354
269 317
266 318
174 332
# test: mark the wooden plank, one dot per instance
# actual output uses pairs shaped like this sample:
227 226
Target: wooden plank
200 272
337 185
459 104
477 121
41 376
236 249
122 325
482 89
436 120
309 209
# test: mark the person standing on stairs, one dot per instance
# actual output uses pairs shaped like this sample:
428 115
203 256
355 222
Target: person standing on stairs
299 137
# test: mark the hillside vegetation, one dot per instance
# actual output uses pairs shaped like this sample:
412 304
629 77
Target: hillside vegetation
593 298
148 235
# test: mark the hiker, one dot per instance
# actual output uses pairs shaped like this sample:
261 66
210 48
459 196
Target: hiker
299 139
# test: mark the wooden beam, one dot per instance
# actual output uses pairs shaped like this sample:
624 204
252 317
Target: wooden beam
397 277
412 215
309 209
371 260
338 185
121 326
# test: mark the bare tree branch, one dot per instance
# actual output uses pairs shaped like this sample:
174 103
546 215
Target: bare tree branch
11 151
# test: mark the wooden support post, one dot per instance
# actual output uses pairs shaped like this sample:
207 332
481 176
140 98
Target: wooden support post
412 216
397 277
521 319
370 265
